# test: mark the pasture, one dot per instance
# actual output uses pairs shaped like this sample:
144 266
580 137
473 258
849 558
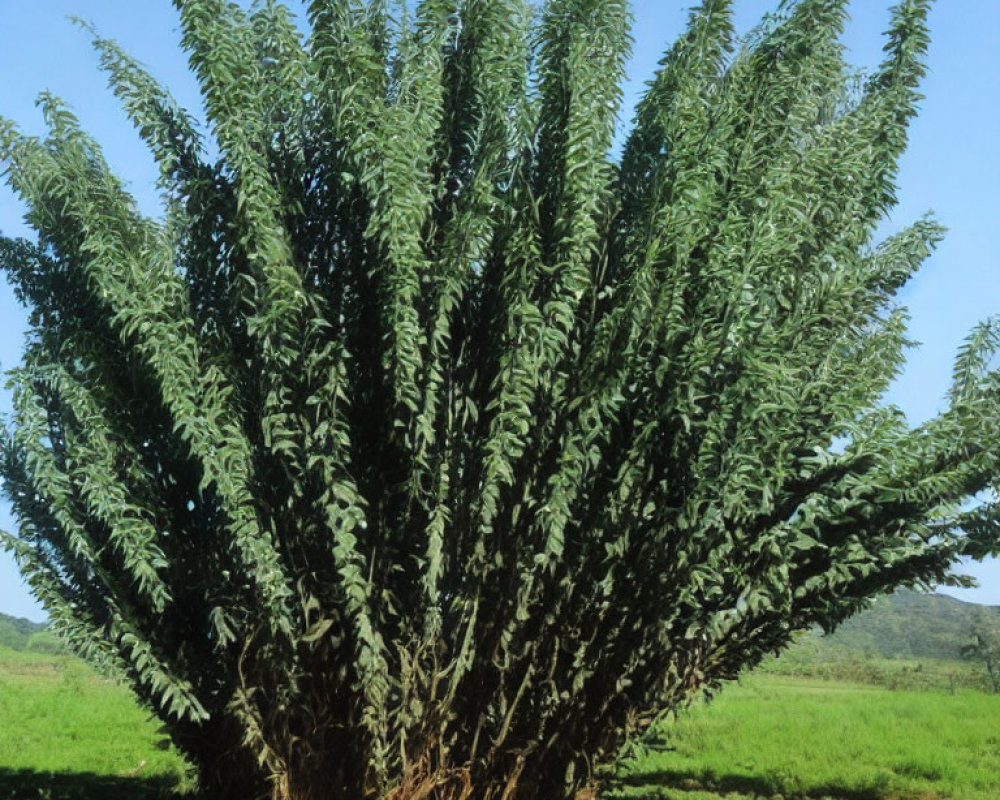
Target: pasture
776 736
69 734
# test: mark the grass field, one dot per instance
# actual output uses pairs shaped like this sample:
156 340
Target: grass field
67 734
778 736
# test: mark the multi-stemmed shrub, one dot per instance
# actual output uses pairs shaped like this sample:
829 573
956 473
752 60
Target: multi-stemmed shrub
430 444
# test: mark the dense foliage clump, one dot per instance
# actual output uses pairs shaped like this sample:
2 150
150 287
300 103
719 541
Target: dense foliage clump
422 449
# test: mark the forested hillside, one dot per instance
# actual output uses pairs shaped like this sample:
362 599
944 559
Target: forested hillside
910 625
18 633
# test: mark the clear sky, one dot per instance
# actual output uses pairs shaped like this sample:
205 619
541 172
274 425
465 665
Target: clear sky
952 166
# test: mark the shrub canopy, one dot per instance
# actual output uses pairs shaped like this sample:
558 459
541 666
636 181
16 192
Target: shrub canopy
423 449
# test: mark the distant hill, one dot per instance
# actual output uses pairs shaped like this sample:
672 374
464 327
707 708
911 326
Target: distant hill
907 625
16 631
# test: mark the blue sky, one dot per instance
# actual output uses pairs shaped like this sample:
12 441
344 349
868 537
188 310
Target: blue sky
952 166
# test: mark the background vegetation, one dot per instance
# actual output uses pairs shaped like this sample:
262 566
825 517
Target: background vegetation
21 634
907 625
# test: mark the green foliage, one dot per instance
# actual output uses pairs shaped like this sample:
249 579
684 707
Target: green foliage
45 642
420 450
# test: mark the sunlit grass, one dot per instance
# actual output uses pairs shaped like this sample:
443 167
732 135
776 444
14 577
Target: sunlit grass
799 738
773 736
57 715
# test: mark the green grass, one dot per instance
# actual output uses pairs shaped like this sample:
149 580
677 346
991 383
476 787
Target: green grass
68 734
781 736
65 732
896 673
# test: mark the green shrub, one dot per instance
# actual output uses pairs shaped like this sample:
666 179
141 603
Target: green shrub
422 450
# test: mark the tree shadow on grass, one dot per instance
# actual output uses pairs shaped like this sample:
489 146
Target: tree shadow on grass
650 786
23 784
